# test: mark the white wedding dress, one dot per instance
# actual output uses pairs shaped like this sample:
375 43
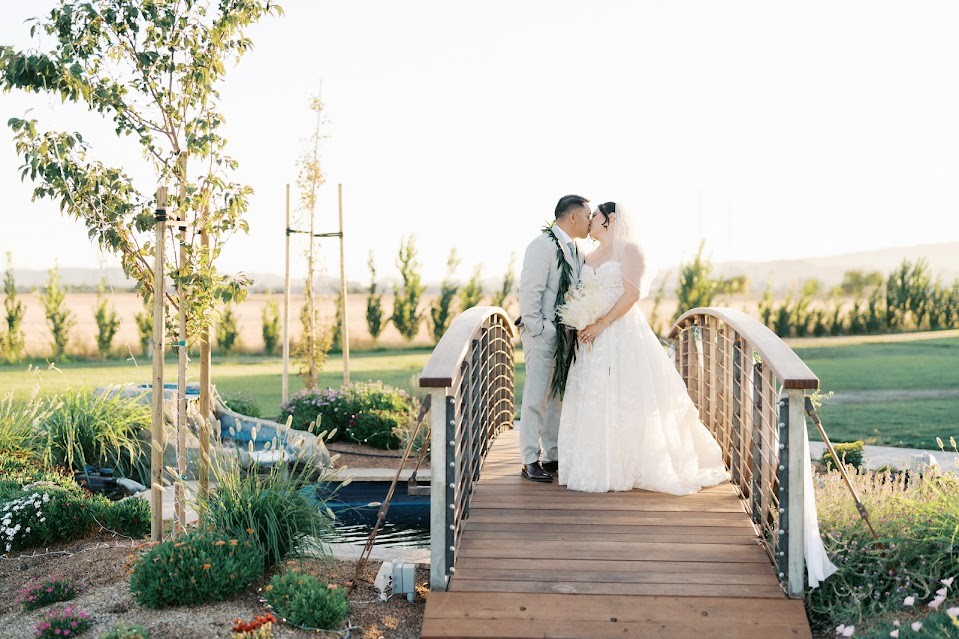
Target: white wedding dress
627 420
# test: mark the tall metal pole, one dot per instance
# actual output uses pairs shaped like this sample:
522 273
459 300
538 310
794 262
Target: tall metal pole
345 331
157 435
286 305
179 523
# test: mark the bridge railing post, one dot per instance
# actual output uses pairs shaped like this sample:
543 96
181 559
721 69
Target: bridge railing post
795 549
442 497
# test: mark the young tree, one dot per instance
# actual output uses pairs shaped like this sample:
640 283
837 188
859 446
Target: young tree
501 298
108 322
374 304
696 287
271 326
766 304
154 70
317 337
144 322
654 322
337 330
472 293
12 344
227 331
59 318
406 297
441 310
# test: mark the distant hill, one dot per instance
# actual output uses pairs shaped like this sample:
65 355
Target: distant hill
943 260
790 274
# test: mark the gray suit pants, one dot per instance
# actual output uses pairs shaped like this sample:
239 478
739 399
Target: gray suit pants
539 415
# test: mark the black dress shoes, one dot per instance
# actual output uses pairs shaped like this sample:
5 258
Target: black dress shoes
552 467
535 472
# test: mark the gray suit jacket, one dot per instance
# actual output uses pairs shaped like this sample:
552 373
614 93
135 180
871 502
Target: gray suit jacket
539 283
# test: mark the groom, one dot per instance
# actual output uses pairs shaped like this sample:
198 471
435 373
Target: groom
551 267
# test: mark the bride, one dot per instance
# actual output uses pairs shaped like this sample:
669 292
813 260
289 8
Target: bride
627 421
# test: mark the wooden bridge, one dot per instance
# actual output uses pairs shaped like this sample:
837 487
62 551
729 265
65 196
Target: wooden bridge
512 558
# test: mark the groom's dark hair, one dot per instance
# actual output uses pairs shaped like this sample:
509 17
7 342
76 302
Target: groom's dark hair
567 203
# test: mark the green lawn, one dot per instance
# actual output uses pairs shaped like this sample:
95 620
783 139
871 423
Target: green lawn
897 365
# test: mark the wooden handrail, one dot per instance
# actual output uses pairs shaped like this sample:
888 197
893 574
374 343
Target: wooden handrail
447 357
786 365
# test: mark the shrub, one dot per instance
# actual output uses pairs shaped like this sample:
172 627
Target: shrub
63 623
279 507
243 404
199 567
261 627
129 517
103 430
19 469
849 453
123 631
43 516
59 318
305 601
362 412
38 594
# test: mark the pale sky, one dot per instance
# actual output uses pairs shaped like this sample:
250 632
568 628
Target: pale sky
775 130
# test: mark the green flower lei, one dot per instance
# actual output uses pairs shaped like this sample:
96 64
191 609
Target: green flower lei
566 335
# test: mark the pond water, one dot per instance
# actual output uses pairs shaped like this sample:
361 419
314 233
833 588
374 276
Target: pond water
407 522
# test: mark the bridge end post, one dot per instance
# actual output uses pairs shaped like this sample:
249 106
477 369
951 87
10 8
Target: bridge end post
797 488
439 504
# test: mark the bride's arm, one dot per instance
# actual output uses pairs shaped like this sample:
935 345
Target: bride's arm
633 267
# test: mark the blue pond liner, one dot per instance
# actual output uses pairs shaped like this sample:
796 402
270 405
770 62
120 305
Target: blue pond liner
407 522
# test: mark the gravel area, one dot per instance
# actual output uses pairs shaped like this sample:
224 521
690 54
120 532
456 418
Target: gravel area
102 562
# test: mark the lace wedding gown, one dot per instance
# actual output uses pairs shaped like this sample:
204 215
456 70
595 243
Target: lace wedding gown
627 419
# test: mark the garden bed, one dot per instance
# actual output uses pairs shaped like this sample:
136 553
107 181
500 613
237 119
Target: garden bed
100 564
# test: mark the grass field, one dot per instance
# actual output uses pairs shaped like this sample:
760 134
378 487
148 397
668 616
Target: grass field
923 362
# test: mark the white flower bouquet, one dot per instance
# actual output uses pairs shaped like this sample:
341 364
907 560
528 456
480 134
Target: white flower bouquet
584 305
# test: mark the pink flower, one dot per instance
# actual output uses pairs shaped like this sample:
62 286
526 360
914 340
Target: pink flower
841 628
66 632
848 631
953 612
946 582
935 603
910 600
942 591
894 633
916 626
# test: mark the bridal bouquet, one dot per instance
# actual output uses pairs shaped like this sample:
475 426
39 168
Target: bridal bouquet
584 305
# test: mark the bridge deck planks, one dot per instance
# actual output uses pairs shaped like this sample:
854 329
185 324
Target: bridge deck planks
539 560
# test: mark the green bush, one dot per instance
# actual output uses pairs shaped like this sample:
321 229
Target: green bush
123 631
243 404
40 593
103 430
305 601
45 515
19 469
199 567
129 517
849 453
362 412
279 506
